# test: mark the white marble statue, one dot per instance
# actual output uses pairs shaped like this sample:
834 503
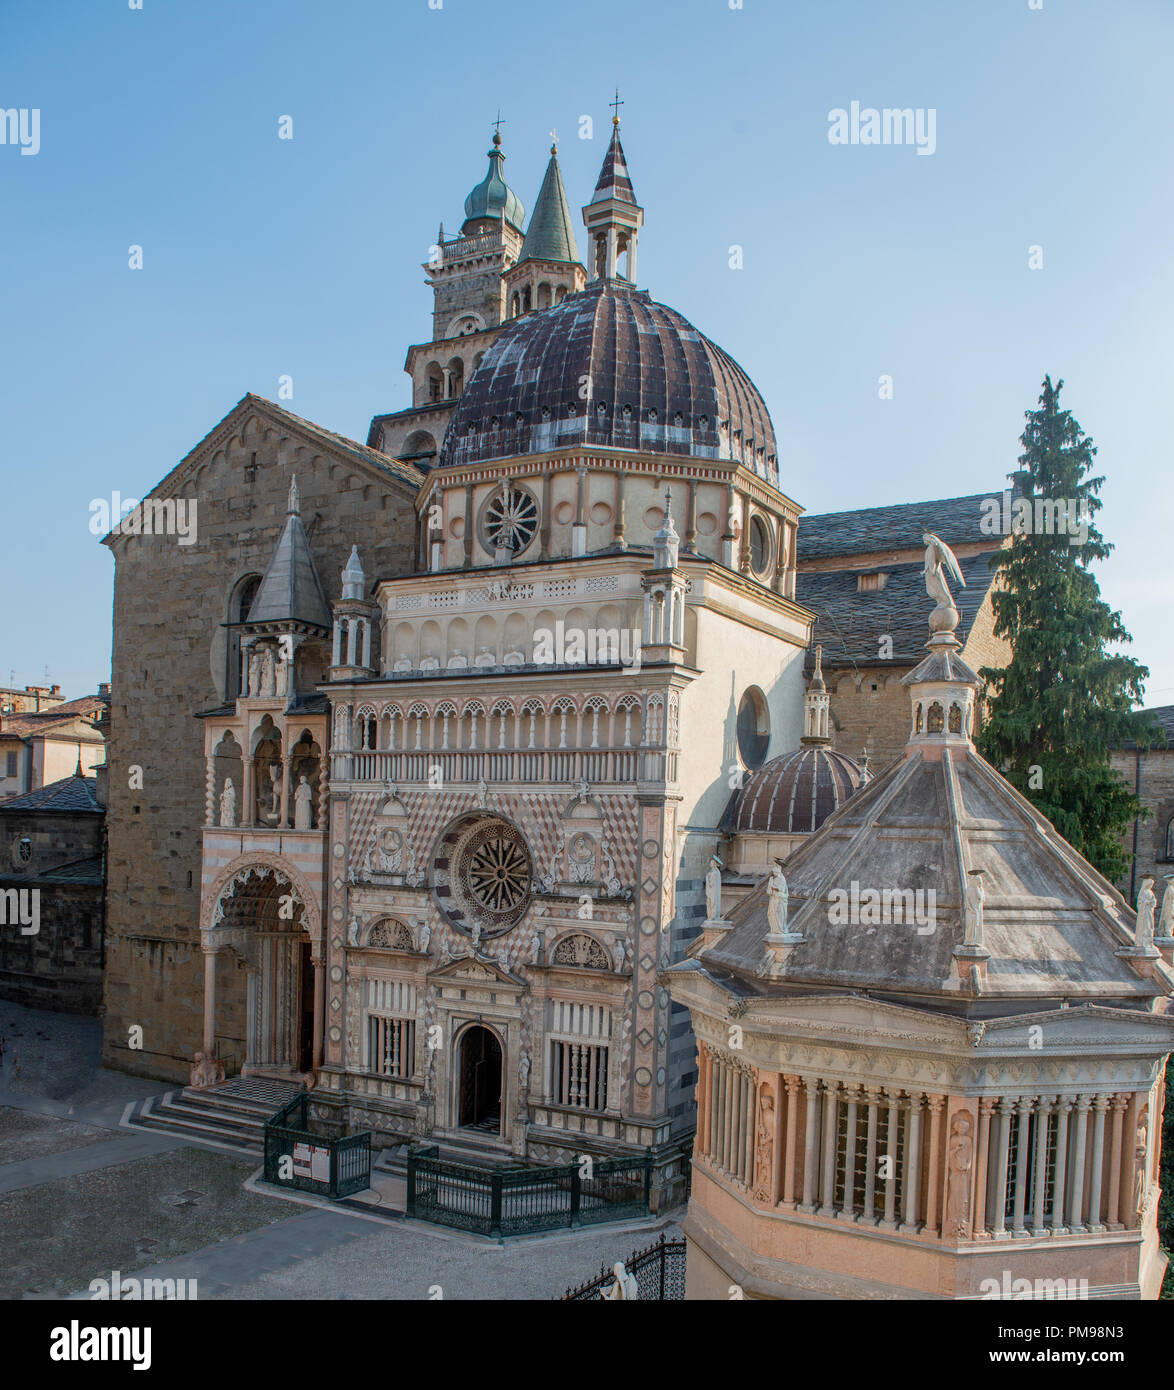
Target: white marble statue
1166 918
938 558
353 928
524 1074
274 791
1146 902
303 805
267 674
625 1289
713 890
475 933
281 678
777 901
253 675
228 803
425 937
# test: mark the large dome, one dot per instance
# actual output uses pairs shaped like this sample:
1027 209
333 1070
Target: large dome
610 368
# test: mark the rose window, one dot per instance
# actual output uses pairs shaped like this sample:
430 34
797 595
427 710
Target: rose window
510 519
483 875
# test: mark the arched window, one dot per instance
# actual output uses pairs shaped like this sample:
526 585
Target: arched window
240 601
435 382
1170 838
456 378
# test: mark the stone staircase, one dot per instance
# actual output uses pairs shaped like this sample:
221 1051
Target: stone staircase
230 1116
452 1150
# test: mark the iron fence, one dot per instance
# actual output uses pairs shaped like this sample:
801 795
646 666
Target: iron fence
296 1157
517 1201
659 1271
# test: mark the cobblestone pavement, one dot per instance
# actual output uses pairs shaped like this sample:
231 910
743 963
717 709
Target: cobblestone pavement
78 1201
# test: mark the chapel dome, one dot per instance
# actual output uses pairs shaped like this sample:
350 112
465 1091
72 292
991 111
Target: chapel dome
655 384
796 792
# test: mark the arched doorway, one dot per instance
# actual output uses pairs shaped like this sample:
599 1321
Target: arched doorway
479 1081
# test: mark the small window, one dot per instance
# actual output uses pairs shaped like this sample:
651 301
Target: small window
24 849
1170 838
753 727
10 765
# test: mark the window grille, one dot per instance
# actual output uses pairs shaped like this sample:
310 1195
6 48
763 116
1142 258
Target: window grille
392 1044
580 1075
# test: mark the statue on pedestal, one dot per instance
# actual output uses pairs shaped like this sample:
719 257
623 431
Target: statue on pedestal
303 805
940 561
228 803
777 901
974 907
713 890
1146 901
625 1289
267 673
959 1159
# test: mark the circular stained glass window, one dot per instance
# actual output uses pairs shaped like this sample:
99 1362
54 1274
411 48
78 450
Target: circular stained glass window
509 519
482 872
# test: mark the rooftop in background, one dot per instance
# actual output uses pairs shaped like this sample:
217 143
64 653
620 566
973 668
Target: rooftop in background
70 794
955 519
56 716
1164 718
29 699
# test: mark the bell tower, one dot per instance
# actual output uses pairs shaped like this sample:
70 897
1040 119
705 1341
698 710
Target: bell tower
613 218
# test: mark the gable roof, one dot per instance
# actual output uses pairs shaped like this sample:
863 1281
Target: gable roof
849 623
387 468
900 527
70 794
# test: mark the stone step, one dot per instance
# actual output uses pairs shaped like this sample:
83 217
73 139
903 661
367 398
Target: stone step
395 1162
155 1113
181 1106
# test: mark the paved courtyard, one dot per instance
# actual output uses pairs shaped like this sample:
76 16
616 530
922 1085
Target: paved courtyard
81 1197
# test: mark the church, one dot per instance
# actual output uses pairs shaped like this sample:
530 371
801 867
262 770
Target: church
433 754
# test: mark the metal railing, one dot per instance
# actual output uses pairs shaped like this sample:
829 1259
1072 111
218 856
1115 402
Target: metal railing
296 1157
517 1201
659 1271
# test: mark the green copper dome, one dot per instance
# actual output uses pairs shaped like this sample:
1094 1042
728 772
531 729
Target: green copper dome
493 197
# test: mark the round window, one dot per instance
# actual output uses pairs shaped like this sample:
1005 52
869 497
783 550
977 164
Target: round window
753 727
24 850
759 545
483 875
509 519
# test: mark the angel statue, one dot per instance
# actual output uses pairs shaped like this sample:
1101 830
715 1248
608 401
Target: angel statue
938 558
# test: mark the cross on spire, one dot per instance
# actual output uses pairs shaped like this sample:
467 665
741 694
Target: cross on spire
498 123
615 105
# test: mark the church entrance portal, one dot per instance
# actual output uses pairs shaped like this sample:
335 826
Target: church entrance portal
479 1102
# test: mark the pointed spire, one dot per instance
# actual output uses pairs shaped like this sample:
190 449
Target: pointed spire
353 579
817 707
666 543
551 234
291 590
614 180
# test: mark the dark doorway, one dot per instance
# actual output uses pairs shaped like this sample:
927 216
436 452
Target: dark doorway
480 1074
305 1008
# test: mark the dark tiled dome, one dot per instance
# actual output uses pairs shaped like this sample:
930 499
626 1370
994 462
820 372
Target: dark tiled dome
796 792
655 384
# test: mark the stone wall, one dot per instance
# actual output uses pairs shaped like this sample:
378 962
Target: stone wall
170 651
1157 794
60 967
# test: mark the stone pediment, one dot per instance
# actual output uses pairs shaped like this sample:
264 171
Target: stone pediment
251 410
476 970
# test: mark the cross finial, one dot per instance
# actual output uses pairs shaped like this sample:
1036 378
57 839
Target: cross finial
615 105
497 125
554 141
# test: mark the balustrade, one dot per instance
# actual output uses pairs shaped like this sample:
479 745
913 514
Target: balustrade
448 766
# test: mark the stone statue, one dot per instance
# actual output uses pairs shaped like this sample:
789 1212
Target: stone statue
281 678
777 901
475 933
713 890
207 1070
764 1148
524 1075
974 906
425 936
353 928
303 805
274 813
228 803
1141 1153
625 1289
938 558
253 674
267 676
959 1159
1145 915
1166 919
483 794
584 792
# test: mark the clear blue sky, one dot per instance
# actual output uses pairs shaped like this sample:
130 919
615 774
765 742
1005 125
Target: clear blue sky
265 257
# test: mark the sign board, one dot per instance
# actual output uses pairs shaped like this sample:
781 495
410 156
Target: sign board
311 1161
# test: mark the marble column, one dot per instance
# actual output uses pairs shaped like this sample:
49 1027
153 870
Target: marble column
890 1156
1095 1183
932 1198
810 1141
1118 1103
209 1001
1059 1182
852 1095
1040 1180
1079 1144
286 778
1022 1166
982 1159
792 1083
827 1188
873 1096
1002 1155
911 1183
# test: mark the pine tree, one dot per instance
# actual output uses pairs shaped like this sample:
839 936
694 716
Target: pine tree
1065 702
